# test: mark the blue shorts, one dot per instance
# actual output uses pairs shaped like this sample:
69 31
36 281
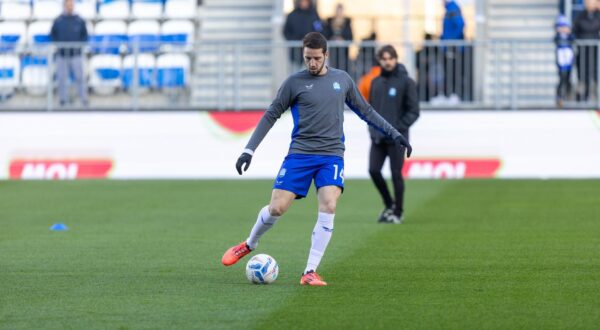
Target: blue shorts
298 171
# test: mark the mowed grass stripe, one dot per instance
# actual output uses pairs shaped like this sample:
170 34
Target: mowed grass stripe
483 254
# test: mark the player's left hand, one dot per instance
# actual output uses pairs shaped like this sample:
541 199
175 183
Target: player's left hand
245 158
401 140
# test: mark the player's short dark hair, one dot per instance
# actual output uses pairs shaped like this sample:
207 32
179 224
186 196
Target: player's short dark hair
315 40
387 49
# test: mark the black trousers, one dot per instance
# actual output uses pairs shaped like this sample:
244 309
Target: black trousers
379 152
587 66
564 85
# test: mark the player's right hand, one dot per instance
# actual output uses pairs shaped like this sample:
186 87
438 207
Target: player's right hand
245 158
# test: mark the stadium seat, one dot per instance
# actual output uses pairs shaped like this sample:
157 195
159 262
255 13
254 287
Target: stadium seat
47 9
181 9
177 33
108 36
38 33
15 9
146 71
113 9
105 73
34 72
146 8
12 35
172 70
10 73
145 35
86 9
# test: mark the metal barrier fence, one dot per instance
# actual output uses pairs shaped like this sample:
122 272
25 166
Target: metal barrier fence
507 74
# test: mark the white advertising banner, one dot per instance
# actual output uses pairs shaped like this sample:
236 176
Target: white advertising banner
460 144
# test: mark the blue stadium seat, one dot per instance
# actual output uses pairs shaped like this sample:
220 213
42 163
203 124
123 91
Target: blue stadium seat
108 37
146 9
105 73
177 33
113 9
172 70
34 74
86 9
15 9
47 9
145 34
10 73
146 65
12 35
38 33
181 9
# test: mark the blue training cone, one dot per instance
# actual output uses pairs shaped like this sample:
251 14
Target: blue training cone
59 227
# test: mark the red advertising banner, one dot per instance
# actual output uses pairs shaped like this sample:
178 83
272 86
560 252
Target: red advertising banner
62 169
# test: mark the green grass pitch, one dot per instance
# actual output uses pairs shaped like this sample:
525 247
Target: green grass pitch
146 254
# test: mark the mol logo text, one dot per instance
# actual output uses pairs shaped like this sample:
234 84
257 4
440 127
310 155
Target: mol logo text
59 169
450 168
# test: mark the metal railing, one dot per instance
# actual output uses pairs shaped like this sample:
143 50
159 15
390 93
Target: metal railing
509 74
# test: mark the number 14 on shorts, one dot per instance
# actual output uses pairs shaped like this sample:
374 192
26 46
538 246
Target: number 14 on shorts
338 172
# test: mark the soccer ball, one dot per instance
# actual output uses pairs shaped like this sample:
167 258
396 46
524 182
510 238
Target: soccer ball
262 269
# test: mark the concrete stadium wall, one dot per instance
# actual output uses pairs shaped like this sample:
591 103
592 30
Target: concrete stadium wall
181 145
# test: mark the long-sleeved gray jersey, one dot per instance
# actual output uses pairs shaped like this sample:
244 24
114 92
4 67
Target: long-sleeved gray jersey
317 104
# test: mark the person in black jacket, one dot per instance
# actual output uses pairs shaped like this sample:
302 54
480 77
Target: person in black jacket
394 95
339 28
586 27
302 20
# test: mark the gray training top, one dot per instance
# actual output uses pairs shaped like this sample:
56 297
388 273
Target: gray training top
317 104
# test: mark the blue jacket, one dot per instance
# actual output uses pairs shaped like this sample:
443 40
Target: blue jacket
454 24
69 28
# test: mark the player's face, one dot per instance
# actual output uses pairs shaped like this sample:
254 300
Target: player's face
315 60
388 62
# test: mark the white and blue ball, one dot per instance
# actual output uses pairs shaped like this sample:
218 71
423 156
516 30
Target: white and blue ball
262 269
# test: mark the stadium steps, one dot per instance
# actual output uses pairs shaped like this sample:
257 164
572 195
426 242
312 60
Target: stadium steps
511 23
232 64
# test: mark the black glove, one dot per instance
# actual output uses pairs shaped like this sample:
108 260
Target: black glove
245 158
401 140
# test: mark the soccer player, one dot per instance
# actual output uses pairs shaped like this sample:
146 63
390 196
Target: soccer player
394 95
316 96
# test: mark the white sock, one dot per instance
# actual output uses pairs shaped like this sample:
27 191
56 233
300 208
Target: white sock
263 223
320 238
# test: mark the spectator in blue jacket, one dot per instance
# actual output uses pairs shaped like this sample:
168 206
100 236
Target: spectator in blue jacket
565 55
454 24
457 84
70 29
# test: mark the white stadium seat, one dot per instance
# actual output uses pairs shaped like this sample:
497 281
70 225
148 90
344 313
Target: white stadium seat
86 9
181 9
177 33
146 65
34 74
146 34
10 73
108 36
105 73
146 8
12 35
38 33
172 70
47 9
15 9
113 9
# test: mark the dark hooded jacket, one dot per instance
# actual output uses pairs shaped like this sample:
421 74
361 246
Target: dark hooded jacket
300 22
394 96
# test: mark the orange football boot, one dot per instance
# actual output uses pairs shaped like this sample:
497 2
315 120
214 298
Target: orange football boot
235 253
313 279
